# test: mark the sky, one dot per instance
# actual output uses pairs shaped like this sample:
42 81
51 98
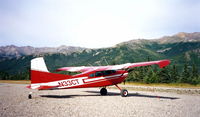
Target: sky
93 23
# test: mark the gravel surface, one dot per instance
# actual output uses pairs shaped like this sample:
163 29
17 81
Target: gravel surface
161 89
87 102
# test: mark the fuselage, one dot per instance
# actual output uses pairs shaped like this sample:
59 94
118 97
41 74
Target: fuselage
101 78
83 80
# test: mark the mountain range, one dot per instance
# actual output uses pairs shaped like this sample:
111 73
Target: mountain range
12 51
180 48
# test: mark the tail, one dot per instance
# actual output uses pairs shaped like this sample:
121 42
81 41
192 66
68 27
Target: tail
39 74
38 64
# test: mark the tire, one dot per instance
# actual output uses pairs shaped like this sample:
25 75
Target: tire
29 96
103 91
124 93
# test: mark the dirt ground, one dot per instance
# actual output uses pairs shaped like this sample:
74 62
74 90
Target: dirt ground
87 102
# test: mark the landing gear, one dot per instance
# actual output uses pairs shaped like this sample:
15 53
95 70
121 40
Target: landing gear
30 95
124 92
103 91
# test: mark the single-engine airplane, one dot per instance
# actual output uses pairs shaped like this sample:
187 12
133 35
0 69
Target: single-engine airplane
90 76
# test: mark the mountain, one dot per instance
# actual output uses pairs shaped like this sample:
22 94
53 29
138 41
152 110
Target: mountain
180 37
180 48
12 51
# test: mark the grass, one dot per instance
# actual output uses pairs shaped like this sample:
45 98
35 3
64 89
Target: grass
173 85
16 81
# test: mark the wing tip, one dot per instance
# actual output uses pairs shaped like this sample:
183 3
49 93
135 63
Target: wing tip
164 63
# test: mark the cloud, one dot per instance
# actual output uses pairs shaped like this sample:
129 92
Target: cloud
93 23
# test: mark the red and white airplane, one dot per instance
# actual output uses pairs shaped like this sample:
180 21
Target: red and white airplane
90 76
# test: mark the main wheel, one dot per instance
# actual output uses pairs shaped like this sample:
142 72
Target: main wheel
124 93
103 91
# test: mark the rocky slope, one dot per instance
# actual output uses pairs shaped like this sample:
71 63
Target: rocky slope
12 51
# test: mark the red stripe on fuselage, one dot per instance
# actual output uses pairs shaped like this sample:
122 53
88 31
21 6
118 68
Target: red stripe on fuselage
100 83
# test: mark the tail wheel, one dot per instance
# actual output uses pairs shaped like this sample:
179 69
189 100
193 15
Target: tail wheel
103 91
124 93
30 95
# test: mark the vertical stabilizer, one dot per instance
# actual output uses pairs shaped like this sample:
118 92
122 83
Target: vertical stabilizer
40 74
39 64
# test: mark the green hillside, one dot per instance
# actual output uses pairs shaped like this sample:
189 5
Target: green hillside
181 54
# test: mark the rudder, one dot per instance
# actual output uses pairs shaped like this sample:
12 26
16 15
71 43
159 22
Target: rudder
38 64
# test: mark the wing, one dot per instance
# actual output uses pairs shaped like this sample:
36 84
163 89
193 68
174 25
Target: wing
160 63
76 69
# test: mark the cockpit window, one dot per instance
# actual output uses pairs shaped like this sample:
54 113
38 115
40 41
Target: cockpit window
113 71
99 73
108 72
102 73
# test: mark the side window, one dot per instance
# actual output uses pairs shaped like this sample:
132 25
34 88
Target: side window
113 71
108 72
102 73
92 75
98 74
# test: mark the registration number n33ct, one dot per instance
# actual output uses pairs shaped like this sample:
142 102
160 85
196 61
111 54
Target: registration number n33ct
65 83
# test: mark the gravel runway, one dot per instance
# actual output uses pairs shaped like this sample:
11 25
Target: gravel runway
87 102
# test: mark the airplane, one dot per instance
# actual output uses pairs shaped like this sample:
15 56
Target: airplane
90 76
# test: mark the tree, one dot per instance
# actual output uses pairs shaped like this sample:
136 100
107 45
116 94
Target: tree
186 75
174 74
165 75
4 75
195 77
194 71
